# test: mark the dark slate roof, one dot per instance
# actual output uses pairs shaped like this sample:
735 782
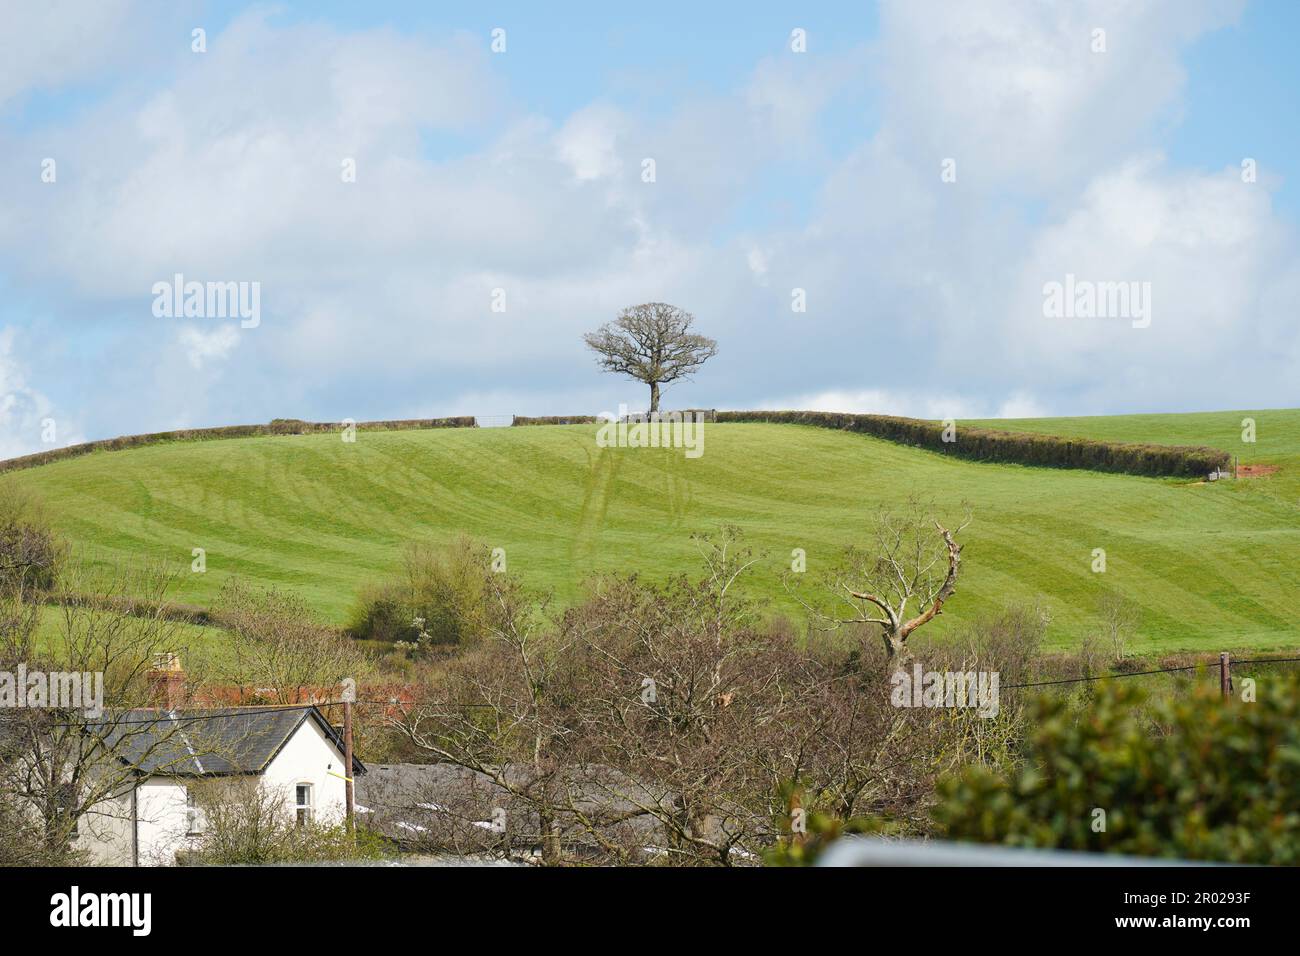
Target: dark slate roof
221 741
445 808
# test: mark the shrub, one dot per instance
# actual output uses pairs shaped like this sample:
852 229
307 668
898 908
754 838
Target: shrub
246 823
1193 776
554 420
382 612
987 444
439 600
30 553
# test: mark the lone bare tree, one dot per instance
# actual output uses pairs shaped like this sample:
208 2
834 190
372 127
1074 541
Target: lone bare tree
1119 616
651 343
914 560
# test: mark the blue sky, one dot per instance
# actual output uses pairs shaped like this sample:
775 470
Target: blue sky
776 171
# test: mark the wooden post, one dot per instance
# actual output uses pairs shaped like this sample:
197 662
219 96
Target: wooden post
347 759
1225 675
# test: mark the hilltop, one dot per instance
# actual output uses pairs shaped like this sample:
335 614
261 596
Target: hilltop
1214 564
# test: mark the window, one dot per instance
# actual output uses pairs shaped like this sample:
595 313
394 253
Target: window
66 797
303 803
193 815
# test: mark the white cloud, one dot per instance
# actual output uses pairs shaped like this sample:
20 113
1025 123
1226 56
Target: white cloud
202 347
587 143
909 404
1210 250
379 291
1015 92
27 417
52 44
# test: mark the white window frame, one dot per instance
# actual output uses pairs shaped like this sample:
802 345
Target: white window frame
299 807
193 815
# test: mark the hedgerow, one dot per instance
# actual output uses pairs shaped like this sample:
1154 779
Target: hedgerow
987 444
278 426
555 420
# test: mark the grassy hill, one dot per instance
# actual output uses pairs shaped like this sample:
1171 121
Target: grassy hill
1215 565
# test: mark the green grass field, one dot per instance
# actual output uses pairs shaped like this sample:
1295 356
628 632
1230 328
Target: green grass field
204 649
1214 565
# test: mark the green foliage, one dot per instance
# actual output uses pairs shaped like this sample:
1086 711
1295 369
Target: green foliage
288 844
986 444
382 612
519 420
1189 776
440 600
823 830
803 845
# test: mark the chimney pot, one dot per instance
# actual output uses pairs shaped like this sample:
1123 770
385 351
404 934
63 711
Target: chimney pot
167 681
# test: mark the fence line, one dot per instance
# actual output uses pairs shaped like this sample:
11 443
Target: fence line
1225 672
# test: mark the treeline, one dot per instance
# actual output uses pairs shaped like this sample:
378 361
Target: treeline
988 444
278 426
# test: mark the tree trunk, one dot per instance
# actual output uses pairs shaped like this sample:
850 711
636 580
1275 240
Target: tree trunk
896 646
654 396
552 852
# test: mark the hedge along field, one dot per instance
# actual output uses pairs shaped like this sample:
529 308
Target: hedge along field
280 426
1276 434
985 443
1214 564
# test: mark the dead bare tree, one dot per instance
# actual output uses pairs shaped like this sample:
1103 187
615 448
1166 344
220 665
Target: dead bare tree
651 343
900 582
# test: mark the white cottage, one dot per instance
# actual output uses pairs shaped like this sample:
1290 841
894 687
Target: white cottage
293 753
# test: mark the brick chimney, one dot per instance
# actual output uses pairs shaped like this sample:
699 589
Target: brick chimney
167 681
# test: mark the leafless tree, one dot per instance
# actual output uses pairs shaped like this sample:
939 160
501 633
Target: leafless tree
685 695
282 652
1119 616
661 723
495 711
900 582
62 767
651 343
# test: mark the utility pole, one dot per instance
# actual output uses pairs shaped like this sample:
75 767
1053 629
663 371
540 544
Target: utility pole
347 758
1225 675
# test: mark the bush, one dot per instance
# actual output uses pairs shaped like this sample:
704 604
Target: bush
987 444
1193 776
555 420
440 599
382 612
30 553
246 823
